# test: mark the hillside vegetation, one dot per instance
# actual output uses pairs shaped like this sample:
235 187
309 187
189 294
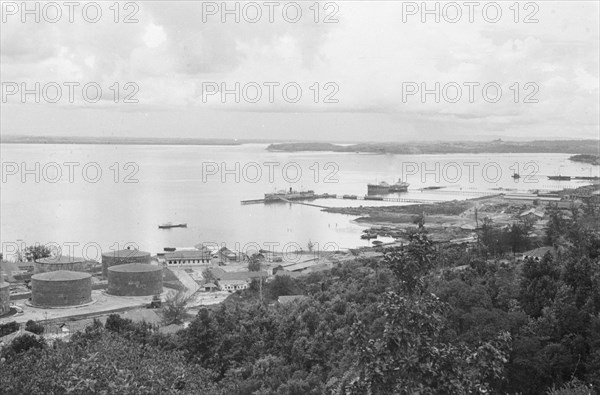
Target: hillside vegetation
422 319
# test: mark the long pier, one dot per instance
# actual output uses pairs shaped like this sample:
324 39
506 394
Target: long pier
327 196
393 199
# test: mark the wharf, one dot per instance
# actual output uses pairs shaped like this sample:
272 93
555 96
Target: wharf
330 196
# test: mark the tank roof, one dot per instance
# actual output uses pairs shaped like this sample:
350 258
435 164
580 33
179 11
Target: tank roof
61 275
135 267
127 253
62 259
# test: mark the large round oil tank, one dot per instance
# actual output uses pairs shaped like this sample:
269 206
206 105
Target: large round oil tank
4 298
122 257
135 279
62 262
61 288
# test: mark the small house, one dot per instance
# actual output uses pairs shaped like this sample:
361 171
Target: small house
232 285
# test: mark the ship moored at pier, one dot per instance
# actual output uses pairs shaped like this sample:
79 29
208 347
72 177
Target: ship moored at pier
384 187
290 195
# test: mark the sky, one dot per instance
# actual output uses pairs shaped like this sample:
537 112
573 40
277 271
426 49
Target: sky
337 71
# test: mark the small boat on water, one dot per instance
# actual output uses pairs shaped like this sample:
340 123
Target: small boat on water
351 197
559 178
516 176
432 187
169 225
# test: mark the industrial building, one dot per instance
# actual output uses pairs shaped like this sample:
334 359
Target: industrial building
61 289
4 298
122 257
63 262
135 279
201 257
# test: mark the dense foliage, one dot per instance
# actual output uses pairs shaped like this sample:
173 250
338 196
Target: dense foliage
8 328
408 323
37 252
102 361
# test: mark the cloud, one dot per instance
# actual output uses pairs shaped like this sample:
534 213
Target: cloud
369 54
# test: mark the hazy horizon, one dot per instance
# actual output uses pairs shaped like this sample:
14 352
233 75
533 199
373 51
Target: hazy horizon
290 140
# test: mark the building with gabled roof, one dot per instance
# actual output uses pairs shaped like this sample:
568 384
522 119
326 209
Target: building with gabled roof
538 253
233 285
188 258
247 276
531 212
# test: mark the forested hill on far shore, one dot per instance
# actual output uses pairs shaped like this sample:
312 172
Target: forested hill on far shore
457 147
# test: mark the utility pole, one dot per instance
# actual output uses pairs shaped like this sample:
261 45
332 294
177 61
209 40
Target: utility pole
477 232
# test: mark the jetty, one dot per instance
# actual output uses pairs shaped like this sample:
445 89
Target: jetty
331 196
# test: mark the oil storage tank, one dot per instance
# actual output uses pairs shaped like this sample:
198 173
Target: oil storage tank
61 288
135 279
62 262
122 257
4 298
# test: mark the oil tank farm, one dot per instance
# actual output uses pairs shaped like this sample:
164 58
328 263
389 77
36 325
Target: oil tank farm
135 279
123 257
61 288
4 298
63 262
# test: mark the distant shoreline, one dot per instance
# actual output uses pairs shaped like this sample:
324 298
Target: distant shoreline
125 141
591 159
584 148
588 147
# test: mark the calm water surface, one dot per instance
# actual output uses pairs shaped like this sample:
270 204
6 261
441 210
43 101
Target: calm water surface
167 184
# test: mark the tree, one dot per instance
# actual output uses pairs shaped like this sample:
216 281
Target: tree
208 276
106 363
518 237
34 327
174 310
409 355
115 323
412 262
556 227
26 342
8 328
540 281
493 238
36 252
281 286
254 263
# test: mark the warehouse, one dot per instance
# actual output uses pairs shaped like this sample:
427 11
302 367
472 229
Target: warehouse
135 279
61 289
122 257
